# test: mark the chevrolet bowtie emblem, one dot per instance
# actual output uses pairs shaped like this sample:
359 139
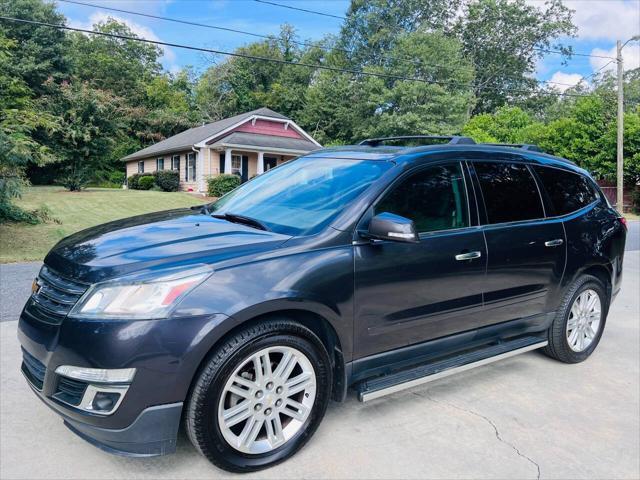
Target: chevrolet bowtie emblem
35 286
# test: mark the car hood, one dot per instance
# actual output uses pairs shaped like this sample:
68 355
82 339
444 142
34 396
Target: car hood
156 241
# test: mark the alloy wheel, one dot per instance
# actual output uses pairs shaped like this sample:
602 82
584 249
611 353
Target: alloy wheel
267 400
584 320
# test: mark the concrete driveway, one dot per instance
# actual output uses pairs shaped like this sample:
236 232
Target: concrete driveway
525 417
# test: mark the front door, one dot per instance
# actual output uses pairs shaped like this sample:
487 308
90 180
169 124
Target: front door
406 293
269 163
526 251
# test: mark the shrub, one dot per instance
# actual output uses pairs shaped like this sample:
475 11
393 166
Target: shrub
117 178
133 182
218 186
167 180
73 181
146 182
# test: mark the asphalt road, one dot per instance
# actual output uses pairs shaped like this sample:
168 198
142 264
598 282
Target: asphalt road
524 417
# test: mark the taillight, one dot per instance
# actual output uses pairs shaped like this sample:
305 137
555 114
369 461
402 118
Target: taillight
623 221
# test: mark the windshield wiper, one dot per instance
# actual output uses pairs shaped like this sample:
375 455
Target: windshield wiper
235 218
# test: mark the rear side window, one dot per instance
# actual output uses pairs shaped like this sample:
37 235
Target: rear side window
434 198
567 191
510 192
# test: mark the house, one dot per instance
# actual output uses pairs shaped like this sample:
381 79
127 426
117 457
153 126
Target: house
247 145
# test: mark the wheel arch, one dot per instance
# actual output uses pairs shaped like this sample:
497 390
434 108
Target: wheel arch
602 273
312 320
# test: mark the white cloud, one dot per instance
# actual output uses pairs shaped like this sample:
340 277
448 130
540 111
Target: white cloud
606 19
142 31
564 80
630 58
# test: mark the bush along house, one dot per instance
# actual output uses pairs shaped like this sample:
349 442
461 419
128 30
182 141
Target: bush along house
245 145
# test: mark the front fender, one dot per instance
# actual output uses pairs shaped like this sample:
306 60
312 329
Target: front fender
318 281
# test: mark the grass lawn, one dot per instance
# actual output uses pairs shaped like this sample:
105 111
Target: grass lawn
75 211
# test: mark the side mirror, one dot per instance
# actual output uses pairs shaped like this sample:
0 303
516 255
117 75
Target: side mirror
387 226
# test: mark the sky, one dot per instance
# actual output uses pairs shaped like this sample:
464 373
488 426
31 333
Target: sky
600 23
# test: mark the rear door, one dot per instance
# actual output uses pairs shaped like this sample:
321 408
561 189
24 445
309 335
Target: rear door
526 251
406 293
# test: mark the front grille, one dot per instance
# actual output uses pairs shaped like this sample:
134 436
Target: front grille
70 391
33 369
55 297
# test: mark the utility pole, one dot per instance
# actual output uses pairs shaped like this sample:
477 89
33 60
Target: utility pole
620 139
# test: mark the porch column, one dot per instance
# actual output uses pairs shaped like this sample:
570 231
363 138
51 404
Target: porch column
260 163
227 161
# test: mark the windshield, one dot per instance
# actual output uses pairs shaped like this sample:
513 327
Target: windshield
302 196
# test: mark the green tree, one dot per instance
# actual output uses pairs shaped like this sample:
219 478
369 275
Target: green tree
237 85
503 39
123 67
348 108
90 120
410 107
506 125
41 51
373 27
19 119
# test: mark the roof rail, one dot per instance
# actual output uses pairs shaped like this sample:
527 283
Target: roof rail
523 146
452 140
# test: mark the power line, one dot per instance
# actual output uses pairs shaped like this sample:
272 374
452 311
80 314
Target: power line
270 37
275 60
339 17
542 50
184 22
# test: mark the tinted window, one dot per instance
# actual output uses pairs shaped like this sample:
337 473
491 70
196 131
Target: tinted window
433 198
509 191
568 191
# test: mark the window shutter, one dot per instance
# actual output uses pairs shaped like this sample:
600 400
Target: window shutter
222 162
245 168
186 167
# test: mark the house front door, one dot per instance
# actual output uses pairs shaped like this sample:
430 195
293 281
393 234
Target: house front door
269 163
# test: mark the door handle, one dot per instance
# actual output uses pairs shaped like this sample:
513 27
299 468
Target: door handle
554 243
468 256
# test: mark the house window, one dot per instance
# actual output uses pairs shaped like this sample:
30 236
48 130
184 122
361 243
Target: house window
191 167
141 166
236 164
175 162
160 164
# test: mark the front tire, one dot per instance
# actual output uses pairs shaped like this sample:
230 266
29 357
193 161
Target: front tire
260 396
579 323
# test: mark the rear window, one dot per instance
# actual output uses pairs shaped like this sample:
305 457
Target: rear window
509 191
567 191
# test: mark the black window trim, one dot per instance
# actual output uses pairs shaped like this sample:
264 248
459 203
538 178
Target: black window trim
413 171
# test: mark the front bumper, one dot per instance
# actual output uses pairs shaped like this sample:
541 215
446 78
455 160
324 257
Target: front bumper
153 433
165 353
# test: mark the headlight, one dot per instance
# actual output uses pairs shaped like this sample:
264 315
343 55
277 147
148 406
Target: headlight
146 298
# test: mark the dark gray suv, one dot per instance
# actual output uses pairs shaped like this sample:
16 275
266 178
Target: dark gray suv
377 267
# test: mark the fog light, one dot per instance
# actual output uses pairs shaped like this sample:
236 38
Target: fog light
105 401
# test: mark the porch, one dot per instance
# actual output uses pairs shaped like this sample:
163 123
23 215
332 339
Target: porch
245 162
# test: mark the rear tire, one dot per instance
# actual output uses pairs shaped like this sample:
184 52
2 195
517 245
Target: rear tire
580 320
244 413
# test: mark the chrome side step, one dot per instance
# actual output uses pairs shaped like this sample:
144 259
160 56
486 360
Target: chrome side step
396 382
